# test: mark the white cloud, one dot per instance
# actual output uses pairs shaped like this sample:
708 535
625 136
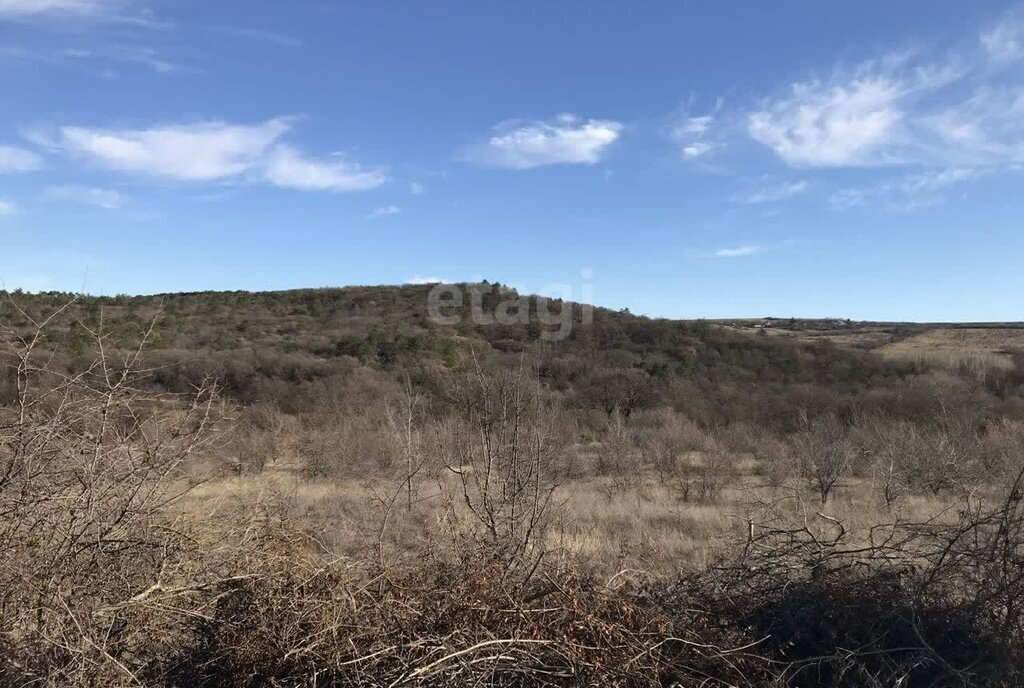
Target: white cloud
906 193
738 251
772 192
692 133
419 279
145 56
900 109
417 189
7 207
262 36
108 199
14 159
987 128
195 152
28 8
849 198
566 140
695 126
118 11
215 151
96 55
1004 42
384 211
697 149
828 125
287 167
935 180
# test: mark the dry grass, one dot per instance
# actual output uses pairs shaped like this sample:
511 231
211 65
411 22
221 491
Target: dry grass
955 347
858 338
604 525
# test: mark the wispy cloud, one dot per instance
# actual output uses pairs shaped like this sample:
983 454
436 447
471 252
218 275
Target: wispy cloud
420 279
194 152
987 128
31 8
938 111
105 55
694 134
14 159
287 167
214 151
384 211
49 11
7 207
109 199
262 36
417 189
565 140
145 56
738 251
852 122
905 193
772 192
697 149
1004 41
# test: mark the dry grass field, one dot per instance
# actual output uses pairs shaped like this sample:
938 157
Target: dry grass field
638 526
974 347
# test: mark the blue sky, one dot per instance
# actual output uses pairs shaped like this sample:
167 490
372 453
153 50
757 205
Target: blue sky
681 159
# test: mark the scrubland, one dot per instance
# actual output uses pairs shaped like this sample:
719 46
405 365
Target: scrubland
323 488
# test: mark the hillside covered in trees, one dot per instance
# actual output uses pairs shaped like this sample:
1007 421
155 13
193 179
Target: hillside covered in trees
284 346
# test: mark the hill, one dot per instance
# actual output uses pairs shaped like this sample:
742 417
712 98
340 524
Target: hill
281 347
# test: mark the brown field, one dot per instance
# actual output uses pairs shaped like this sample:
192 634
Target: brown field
985 346
642 531
633 525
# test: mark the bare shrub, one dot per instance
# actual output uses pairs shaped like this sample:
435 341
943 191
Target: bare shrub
943 456
715 471
664 446
666 436
261 436
1002 450
775 459
894 448
88 466
916 604
824 454
348 447
616 454
737 438
499 448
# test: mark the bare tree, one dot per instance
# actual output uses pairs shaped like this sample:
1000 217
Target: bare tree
615 455
500 450
714 471
893 447
622 391
402 419
824 454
